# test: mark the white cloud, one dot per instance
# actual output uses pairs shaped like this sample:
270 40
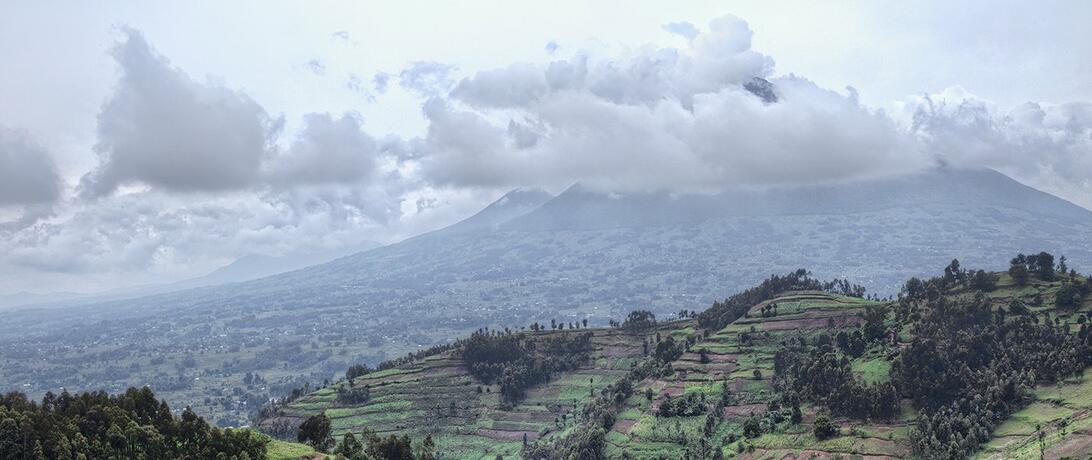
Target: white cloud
662 118
426 78
27 173
327 150
163 129
1048 146
316 67
673 117
683 29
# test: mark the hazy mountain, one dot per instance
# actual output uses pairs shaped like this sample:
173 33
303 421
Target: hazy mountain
248 267
28 298
531 257
254 266
510 206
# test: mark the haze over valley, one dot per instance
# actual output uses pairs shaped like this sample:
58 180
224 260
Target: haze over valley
423 231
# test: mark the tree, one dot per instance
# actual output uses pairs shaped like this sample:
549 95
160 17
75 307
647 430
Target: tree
349 446
703 356
356 370
952 273
1069 296
824 428
316 432
639 320
914 289
1044 266
874 316
428 448
751 428
983 281
10 438
842 339
1019 273
797 416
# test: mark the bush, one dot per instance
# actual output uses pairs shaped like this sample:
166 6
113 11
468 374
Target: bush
824 428
751 428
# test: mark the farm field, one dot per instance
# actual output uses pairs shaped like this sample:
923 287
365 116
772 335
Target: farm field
439 397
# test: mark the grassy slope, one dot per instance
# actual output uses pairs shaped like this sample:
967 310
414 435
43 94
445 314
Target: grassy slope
283 450
436 396
643 435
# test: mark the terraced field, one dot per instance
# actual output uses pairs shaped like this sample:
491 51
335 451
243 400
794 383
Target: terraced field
735 353
437 396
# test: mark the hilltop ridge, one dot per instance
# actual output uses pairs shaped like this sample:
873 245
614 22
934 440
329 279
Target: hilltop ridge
793 368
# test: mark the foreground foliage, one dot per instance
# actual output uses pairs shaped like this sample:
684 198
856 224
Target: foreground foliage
129 425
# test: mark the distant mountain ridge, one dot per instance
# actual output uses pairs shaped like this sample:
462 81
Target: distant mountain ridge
578 207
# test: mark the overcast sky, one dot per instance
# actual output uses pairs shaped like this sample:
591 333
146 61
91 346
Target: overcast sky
141 143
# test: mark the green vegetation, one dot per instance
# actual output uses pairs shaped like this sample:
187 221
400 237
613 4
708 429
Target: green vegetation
130 425
793 365
284 450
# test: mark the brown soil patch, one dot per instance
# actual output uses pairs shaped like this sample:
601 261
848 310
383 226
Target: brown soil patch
781 454
744 410
504 435
620 351
1076 445
811 323
624 426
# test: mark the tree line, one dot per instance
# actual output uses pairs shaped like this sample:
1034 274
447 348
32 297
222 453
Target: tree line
316 432
517 361
133 425
723 313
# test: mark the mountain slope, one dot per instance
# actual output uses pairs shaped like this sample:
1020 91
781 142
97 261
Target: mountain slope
531 257
731 390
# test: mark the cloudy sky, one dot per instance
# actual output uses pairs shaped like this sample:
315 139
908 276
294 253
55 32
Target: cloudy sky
144 144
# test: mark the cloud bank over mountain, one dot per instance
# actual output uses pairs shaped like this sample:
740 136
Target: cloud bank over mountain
190 172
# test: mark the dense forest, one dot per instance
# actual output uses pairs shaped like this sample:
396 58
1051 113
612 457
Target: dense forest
970 366
517 361
130 425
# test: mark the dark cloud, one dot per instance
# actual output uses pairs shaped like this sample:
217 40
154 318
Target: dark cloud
163 129
27 173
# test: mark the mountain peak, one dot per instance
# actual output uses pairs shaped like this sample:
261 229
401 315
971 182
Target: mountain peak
522 196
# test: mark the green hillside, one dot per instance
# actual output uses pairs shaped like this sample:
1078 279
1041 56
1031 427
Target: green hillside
793 368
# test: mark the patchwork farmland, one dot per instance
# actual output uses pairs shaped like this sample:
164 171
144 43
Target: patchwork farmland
731 370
